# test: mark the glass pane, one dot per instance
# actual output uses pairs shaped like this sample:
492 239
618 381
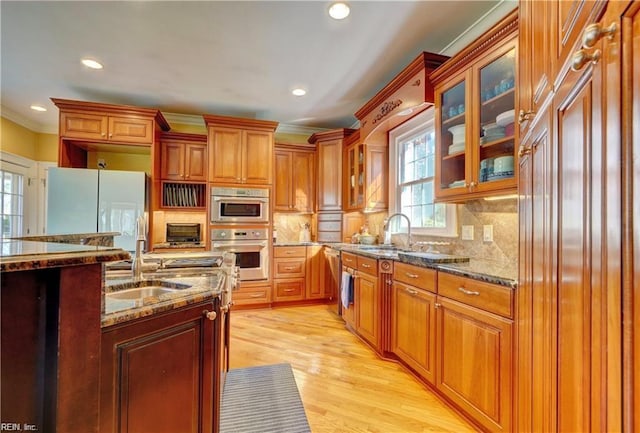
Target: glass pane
440 215
427 215
453 134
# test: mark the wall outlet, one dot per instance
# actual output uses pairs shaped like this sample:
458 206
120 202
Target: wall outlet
487 233
467 233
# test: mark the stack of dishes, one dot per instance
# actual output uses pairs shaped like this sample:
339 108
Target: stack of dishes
502 168
492 132
458 138
506 121
457 183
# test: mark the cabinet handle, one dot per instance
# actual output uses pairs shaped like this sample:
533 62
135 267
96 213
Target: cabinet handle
366 265
289 268
524 150
411 275
472 185
290 252
211 315
225 309
103 134
468 292
288 290
581 58
594 32
256 295
524 115
110 135
411 291
436 305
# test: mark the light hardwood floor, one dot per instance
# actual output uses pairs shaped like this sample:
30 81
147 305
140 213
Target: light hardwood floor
344 386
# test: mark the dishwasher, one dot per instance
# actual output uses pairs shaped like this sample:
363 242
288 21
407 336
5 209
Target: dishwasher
335 267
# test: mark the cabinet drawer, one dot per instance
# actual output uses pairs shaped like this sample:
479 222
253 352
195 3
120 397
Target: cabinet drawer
291 289
286 252
368 265
288 268
489 297
423 278
329 236
253 295
350 260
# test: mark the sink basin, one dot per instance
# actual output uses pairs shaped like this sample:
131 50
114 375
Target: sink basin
144 289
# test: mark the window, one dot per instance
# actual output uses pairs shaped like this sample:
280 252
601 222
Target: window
11 203
412 179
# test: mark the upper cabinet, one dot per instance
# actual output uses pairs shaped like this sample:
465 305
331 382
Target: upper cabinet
329 153
294 184
475 114
183 157
91 126
366 175
241 150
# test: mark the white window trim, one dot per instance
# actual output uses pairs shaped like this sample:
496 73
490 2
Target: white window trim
400 133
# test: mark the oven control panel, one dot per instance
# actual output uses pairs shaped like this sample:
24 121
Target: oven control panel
238 234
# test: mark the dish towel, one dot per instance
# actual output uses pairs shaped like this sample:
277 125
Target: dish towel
346 289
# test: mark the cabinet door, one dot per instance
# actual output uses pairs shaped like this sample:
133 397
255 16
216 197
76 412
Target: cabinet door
195 162
367 311
84 126
131 130
354 178
282 200
376 175
318 283
413 334
257 157
172 161
453 144
330 175
158 374
474 362
290 289
303 187
225 160
494 165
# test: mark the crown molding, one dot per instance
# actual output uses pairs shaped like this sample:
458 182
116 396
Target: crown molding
285 128
21 120
184 119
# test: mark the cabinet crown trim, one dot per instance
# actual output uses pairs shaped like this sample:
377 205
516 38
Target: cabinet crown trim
106 109
506 28
239 122
334 134
183 136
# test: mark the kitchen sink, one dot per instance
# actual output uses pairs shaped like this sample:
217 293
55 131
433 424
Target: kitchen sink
144 289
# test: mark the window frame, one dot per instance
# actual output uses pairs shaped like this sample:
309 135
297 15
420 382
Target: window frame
397 135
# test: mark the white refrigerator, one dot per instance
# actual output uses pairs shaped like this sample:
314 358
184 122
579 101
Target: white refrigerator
95 201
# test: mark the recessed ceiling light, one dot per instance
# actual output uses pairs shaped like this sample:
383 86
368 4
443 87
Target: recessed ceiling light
299 92
35 107
89 63
339 11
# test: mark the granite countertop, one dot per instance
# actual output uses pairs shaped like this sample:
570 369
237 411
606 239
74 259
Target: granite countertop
191 290
24 255
501 273
296 244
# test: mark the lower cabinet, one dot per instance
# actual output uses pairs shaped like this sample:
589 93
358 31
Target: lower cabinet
474 365
458 336
367 315
160 373
413 329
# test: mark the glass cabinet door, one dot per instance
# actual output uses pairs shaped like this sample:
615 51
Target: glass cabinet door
495 129
355 187
453 145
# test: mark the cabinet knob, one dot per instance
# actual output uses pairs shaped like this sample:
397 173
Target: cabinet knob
103 134
225 309
211 315
582 57
594 32
524 115
437 305
110 135
472 185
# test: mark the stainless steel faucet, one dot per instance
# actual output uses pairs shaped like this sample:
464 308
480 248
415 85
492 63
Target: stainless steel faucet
388 233
136 267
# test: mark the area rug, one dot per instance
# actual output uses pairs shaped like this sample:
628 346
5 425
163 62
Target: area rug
261 400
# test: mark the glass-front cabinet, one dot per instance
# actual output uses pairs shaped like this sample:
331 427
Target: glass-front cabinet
355 176
475 134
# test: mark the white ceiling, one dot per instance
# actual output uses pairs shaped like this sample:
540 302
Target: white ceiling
238 58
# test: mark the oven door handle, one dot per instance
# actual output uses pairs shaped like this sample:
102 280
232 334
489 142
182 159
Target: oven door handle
242 199
238 248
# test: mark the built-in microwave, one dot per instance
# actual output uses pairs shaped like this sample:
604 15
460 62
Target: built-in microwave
239 205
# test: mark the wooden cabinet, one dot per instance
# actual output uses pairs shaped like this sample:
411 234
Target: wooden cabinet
474 362
571 315
366 176
90 126
165 365
241 150
251 294
318 275
475 101
294 184
329 152
289 271
413 334
183 157
367 295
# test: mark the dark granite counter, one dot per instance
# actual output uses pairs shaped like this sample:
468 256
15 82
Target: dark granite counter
191 290
504 274
22 255
104 239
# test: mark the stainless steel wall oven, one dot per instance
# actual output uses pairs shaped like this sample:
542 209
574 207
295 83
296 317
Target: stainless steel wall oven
251 247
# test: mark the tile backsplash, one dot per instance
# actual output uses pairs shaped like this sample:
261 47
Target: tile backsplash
288 226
